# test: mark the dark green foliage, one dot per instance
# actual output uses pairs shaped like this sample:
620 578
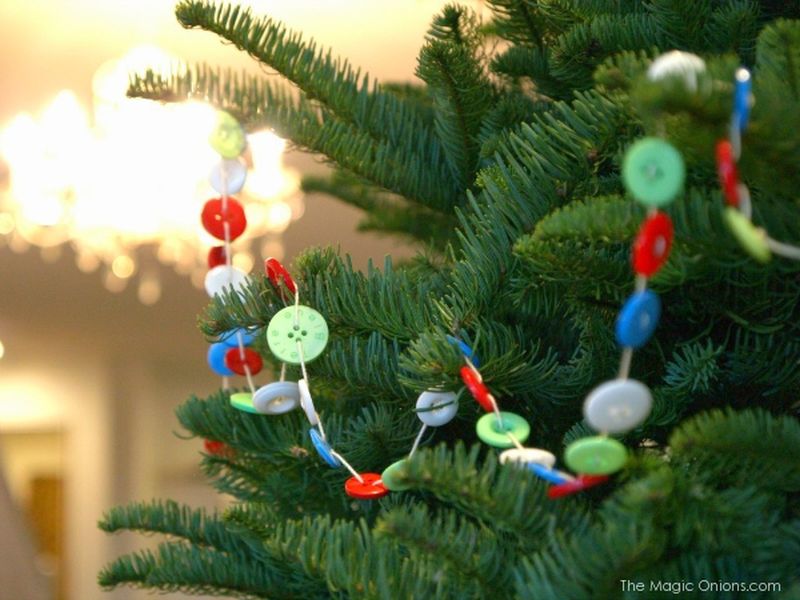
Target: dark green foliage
504 166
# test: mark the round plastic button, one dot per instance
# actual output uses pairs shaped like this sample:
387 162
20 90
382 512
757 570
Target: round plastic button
436 408
276 271
582 482
750 237
214 218
283 334
227 137
742 98
490 431
234 337
224 278
465 350
228 176
276 398
479 391
307 403
548 474
617 406
369 490
653 171
216 448
527 456
596 455
638 319
652 245
728 175
216 256
240 361
392 477
216 359
243 401
323 448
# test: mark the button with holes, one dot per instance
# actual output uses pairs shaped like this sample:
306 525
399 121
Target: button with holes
652 245
526 456
217 214
295 324
369 489
323 448
597 455
582 482
653 171
276 398
392 476
227 138
494 433
243 401
240 361
476 387
436 408
638 319
234 337
216 359
753 239
228 176
224 279
307 403
617 406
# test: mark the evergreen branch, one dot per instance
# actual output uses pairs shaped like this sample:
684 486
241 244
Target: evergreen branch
170 518
461 97
191 569
746 448
334 83
261 103
509 500
474 555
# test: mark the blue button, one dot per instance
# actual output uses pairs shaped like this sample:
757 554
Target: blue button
216 359
231 337
742 98
465 350
323 449
550 475
638 319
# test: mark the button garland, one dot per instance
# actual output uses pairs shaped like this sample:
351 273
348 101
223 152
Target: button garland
738 211
653 172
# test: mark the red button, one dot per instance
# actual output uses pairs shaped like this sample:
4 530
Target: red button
276 271
572 487
216 257
728 175
216 448
476 388
214 218
236 362
369 490
652 245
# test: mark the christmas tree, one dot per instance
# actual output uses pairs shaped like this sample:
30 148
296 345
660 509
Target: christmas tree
506 165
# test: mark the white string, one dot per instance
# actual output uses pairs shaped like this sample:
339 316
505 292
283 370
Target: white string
418 440
515 441
625 363
347 464
225 384
249 378
283 371
496 410
640 284
783 249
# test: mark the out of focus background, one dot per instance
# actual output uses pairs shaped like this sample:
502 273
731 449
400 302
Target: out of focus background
102 259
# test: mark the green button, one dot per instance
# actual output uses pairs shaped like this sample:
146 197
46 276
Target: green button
243 401
227 138
490 431
653 171
295 324
596 455
750 237
392 476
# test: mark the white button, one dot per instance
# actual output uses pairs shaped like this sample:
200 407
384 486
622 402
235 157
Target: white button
617 406
276 398
307 403
437 416
221 277
528 455
235 173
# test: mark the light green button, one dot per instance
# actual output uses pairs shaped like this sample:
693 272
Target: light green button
243 401
392 476
750 237
227 138
490 431
653 171
297 324
596 455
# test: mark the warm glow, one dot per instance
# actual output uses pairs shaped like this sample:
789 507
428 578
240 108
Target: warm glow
132 176
2 350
